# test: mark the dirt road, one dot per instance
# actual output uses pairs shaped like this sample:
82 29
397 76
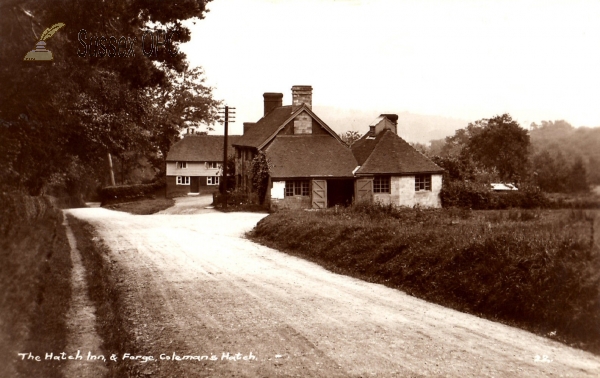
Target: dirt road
196 287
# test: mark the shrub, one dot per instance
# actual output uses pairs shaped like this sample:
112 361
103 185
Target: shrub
110 194
478 196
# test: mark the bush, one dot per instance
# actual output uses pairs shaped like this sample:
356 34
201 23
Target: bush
466 194
481 197
110 194
35 287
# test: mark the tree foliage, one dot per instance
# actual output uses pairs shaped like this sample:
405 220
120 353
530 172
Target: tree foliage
500 144
260 169
349 137
81 107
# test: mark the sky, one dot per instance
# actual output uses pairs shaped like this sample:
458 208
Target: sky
536 60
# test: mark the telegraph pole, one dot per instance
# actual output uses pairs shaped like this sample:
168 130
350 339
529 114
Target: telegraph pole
228 114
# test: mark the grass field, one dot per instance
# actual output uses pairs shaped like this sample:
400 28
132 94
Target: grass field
538 270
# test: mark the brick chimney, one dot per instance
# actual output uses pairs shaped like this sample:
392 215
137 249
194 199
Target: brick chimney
248 125
301 94
272 101
391 117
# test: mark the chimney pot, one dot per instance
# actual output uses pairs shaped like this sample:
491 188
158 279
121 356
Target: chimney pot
301 94
272 101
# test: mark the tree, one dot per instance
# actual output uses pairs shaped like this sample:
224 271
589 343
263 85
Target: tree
578 177
349 137
455 144
80 106
501 144
184 102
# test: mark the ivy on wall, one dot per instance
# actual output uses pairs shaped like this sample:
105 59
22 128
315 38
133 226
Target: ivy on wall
260 170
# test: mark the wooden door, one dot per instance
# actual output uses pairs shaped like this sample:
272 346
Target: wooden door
364 190
319 194
194 184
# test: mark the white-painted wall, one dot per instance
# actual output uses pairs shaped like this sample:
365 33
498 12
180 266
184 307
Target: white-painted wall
402 192
193 169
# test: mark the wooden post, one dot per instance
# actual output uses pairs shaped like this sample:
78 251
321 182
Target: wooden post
112 173
225 159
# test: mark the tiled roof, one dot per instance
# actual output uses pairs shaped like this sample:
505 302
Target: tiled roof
201 148
387 153
309 156
265 127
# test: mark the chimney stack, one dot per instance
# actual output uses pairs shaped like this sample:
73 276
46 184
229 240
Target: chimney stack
301 94
248 125
391 117
272 101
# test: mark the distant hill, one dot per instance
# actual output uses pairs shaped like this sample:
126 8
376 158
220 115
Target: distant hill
412 127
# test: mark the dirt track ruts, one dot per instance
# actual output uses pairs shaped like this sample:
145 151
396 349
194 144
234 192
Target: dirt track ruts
195 286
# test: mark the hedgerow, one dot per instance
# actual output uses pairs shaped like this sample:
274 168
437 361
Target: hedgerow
535 269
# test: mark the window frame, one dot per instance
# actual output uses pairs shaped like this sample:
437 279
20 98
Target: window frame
382 184
181 165
294 188
212 180
423 183
182 180
212 165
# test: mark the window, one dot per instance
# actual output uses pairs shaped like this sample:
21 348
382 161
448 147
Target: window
212 180
381 184
297 188
212 164
182 165
183 180
422 182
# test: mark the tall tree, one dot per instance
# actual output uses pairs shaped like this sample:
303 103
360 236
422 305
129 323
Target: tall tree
184 102
85 102
501 144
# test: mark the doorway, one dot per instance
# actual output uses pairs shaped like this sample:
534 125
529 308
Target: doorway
194 184
340 192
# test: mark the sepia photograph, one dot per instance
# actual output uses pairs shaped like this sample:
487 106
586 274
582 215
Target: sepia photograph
299 188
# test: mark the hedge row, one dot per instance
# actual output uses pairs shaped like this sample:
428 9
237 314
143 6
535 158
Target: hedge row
538 270
481 197
127 192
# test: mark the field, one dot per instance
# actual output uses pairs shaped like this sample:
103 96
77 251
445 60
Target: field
538 270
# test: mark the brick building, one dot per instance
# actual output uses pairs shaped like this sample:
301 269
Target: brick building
311 166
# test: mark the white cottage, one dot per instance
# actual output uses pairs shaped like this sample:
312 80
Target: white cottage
391 171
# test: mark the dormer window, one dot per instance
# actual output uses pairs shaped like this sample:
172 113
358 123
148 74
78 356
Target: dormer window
372 130
182 165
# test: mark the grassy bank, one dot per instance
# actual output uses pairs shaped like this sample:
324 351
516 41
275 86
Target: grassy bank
143 206
104 290
35 287
534 269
